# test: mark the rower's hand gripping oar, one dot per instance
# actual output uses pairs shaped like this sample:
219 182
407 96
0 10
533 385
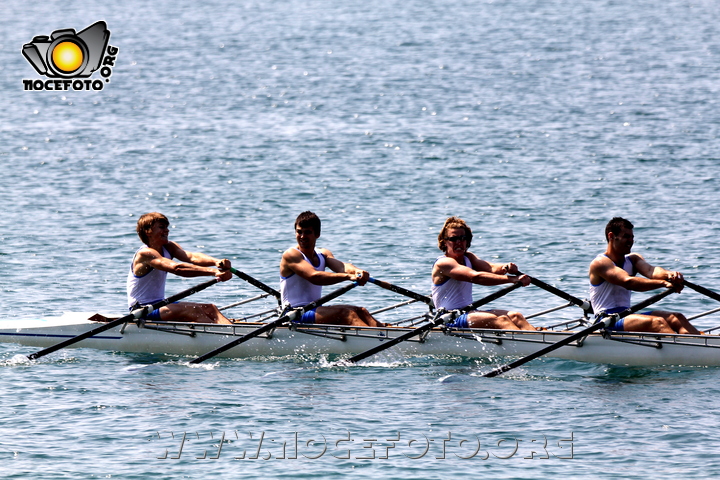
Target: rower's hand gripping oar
134 315
440 317
703 290
256 283
403 291
289 317
605 322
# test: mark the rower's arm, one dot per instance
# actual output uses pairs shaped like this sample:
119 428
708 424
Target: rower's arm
150 258
452 269
658 273
602 268
292 262
356 274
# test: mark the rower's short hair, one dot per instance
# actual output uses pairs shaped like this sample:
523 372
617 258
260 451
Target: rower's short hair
453 222
308 219
615 225
146 222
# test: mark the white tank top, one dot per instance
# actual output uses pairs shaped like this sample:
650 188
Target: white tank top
150 287
452 294
606 296
296 291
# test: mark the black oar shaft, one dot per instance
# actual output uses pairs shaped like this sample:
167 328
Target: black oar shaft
256 283
390 343
274 323
566 296
135 314
403 291
580 334
703 290
436 321
494 296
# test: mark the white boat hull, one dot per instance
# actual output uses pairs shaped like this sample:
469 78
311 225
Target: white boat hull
196 339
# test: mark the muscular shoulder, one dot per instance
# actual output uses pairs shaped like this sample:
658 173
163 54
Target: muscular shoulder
292 254
444 264
635 258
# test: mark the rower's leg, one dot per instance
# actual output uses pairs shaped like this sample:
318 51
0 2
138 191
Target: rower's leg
193 312
677 322
646 323
517 319
345 315
490 320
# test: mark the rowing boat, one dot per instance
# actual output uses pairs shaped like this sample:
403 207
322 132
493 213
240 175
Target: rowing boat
193 339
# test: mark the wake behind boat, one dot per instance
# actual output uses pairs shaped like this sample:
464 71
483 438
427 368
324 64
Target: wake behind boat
193 339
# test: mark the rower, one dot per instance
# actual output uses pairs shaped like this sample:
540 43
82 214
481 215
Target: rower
454 273
151 264
613 277
302 276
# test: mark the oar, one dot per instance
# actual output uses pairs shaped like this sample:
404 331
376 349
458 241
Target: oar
585 305
134 315
256 283
607 322
440 318
275 323
403 291
702 290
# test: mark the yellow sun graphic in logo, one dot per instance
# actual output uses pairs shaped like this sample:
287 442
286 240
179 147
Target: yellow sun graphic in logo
67 56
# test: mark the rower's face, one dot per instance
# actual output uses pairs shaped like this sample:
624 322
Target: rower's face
455 241
305 236
158 233
624 240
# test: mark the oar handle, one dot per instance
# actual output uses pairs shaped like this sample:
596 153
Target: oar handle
584 304
135 314
275 323
703 290
606 322
403 291
256 283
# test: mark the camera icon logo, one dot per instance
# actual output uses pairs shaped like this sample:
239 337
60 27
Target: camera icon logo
67 54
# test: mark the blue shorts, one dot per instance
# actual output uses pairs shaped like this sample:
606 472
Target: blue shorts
460 322
154 315
620 324
307 317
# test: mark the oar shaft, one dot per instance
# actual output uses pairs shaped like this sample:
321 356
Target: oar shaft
491 297
137 313
394 341
274 323
543 351
566 296
601 324
439 318
703 290
256 283
403 291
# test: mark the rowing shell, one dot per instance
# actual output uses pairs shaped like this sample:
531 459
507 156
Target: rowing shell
194 339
